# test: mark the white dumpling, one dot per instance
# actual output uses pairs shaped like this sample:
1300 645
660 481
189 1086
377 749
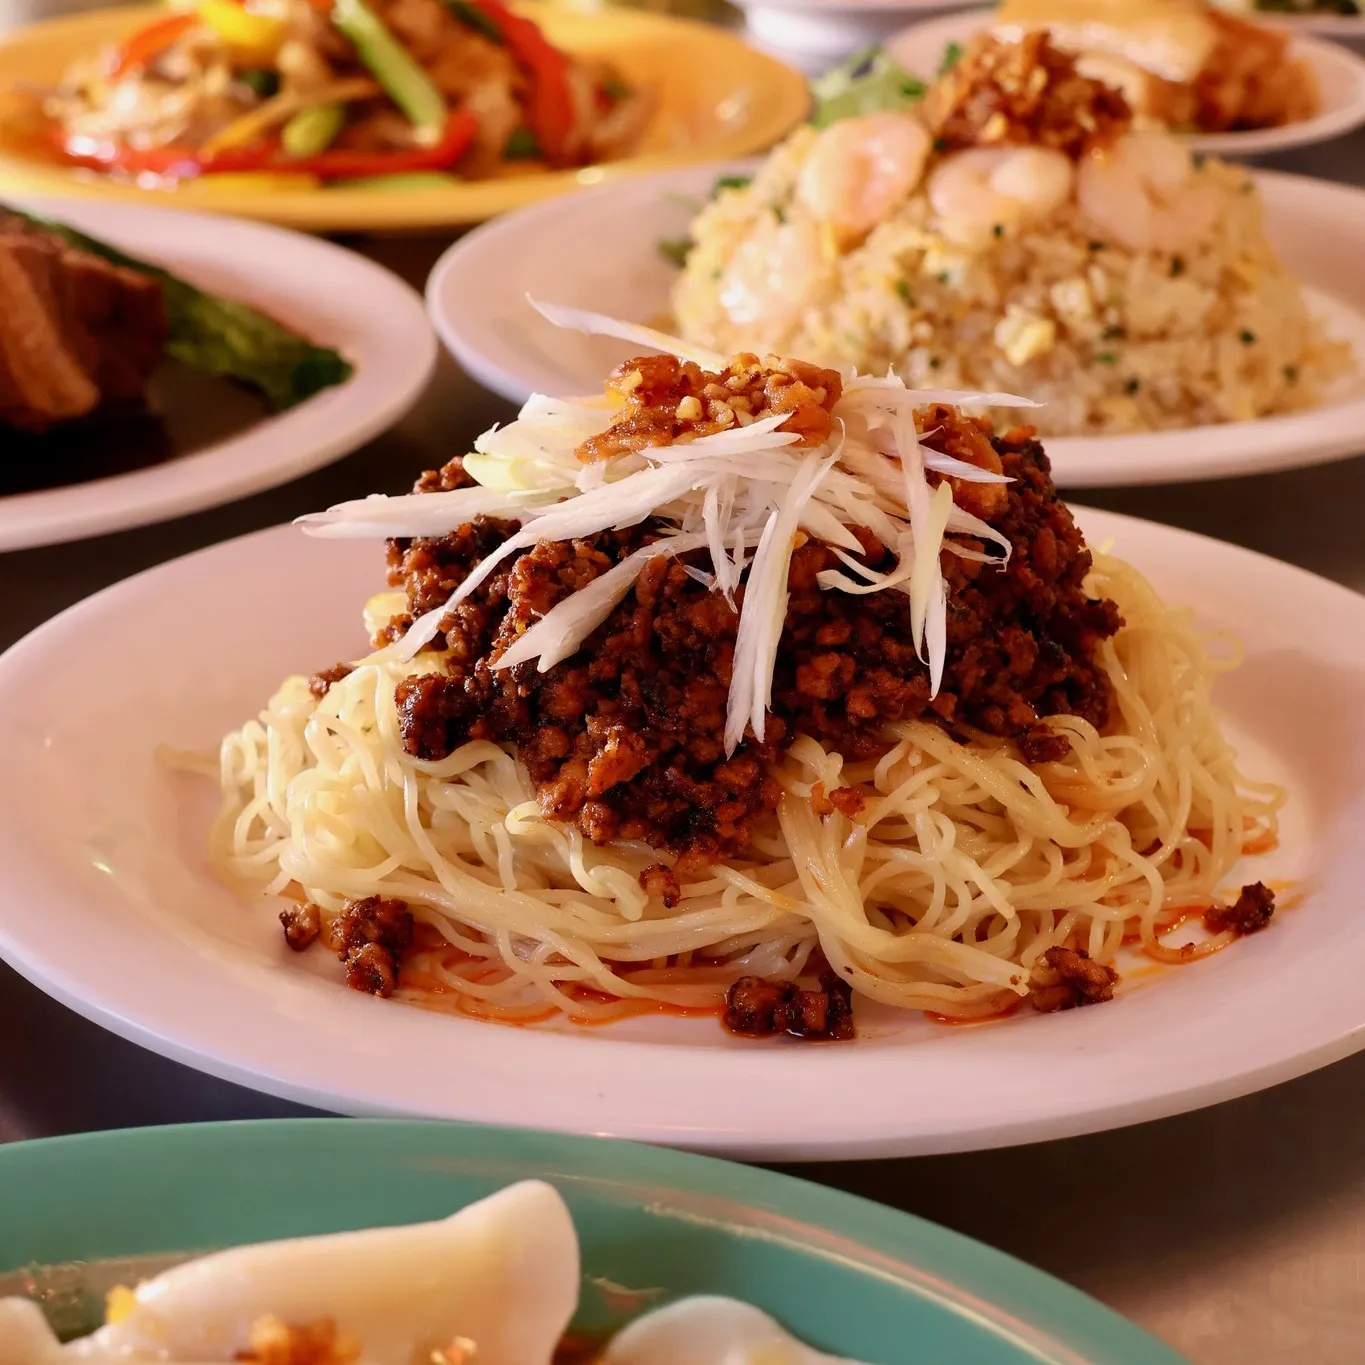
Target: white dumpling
709 1330
25 1337
502 1273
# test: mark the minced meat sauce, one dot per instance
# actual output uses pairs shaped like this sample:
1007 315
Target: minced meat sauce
625 738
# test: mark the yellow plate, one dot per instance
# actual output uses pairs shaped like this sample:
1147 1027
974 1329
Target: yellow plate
716 99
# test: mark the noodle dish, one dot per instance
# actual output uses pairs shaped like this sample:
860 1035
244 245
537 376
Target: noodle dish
751 688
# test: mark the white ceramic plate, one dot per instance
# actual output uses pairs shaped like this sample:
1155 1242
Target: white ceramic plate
331 295
108 904
1340 74
599 250
815 35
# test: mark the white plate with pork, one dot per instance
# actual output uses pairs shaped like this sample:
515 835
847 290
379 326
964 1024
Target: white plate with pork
129 396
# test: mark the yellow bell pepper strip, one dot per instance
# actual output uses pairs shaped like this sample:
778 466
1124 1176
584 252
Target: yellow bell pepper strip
312 130
147 44
251 36
393 67
255 124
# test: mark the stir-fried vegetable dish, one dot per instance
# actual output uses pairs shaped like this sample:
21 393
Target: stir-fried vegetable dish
341 90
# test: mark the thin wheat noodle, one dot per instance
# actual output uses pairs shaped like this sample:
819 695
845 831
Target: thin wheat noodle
963 866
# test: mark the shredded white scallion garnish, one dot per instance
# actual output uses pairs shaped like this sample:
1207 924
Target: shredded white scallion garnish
743 488
599 324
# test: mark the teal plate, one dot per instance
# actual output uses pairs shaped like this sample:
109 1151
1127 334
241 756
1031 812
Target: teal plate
846 1275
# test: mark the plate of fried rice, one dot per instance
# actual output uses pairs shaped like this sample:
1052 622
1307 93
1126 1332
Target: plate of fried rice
1177 317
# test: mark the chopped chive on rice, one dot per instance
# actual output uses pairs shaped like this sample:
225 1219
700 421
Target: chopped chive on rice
1246 336
903 289
952 54
1107 358
1132 386
1113 332
1291 374
675 250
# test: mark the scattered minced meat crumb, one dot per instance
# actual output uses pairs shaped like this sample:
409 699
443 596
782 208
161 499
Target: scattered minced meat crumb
321 683
302 925
1251 911
847 800
755 1007
373 919
1043 744
1078 981
660 880
273 1342
370 936
448 479
626 737
1024 94
666 401
371 969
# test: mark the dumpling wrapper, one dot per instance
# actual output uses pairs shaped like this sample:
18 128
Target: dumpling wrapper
503 1273
710 1330
25 1337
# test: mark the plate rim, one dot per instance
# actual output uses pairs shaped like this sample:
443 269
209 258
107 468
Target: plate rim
1074 466
573 1057
785 100
887 1242
852 9
1336 25
216 474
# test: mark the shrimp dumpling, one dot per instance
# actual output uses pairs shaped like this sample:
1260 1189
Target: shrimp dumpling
501 1274
710 1330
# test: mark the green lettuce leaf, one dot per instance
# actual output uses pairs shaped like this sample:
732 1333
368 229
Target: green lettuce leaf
869 82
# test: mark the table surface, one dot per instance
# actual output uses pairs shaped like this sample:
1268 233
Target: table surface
1236 1233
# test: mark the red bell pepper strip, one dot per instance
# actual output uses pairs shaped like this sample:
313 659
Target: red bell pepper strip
147 44
183 163
550 110
336 163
